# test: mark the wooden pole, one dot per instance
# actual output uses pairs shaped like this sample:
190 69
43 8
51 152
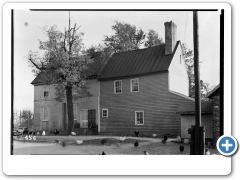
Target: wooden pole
197 85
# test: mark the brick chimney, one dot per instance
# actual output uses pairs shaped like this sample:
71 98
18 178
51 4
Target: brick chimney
170 37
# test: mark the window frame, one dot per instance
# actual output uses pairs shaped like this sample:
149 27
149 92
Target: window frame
141 111
105 109
74 90
115 87
43 111
46 89
131 82
85 120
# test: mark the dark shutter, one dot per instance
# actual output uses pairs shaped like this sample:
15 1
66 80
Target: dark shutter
91 118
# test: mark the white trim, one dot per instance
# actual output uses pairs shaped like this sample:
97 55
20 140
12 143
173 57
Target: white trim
99 114
136 118
115 87
103 109
131 85
85 120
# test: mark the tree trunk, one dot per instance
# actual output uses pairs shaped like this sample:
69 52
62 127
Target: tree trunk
69 108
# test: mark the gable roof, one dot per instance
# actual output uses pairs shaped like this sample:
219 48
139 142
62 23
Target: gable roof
211 93
137 62
95 69
189 108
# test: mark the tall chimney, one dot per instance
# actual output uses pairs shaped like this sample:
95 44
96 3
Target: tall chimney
170 37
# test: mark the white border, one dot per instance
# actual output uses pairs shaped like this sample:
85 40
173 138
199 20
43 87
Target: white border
115 87
136 118
103 109
113 165
131 85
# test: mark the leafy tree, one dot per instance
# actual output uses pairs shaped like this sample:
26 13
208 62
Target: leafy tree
189 61
23 118
99 52
61 62
26 119
126 37
153 39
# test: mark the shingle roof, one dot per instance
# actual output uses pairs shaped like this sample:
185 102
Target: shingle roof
137 62
95 69
189 108
38 79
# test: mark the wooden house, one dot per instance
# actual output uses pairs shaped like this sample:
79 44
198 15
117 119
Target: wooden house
142 89
136 90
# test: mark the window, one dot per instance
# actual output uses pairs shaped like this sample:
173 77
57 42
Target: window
75 112
46 91
134 85
117 87
45 113
105 112
84 118
139 117
74 90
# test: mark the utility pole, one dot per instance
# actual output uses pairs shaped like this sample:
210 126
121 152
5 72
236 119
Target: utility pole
199 130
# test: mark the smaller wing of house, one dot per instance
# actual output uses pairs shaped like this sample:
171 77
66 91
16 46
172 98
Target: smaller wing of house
187 111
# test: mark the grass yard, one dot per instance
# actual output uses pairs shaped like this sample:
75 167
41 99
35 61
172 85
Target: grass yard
111 145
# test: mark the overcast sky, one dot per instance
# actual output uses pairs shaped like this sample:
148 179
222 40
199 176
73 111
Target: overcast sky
28 29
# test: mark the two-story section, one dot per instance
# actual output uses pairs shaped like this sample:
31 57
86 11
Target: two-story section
142 89
50 113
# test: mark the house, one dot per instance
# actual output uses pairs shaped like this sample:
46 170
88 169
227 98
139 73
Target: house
214 95
135 90
142 89
50 114
187 111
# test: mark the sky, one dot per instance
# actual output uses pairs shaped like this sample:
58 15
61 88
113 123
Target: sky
95 24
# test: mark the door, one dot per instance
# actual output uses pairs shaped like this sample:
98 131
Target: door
84 118
45 125
91 118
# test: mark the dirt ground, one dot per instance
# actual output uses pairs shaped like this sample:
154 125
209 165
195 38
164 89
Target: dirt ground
93 145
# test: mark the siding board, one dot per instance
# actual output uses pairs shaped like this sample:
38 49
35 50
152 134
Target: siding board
159 106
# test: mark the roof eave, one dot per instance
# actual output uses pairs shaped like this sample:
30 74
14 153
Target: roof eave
131 76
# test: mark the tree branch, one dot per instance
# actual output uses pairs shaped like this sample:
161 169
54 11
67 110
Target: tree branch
40 68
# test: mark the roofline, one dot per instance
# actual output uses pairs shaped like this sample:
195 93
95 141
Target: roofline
41 83
143 74
214 89
182 95
130 76
192 112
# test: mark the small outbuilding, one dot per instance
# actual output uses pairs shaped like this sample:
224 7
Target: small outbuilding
187 111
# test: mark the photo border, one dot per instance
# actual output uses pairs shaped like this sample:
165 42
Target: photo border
115 164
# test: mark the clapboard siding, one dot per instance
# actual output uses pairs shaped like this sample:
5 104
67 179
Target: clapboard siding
178 77
159 106
188 120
